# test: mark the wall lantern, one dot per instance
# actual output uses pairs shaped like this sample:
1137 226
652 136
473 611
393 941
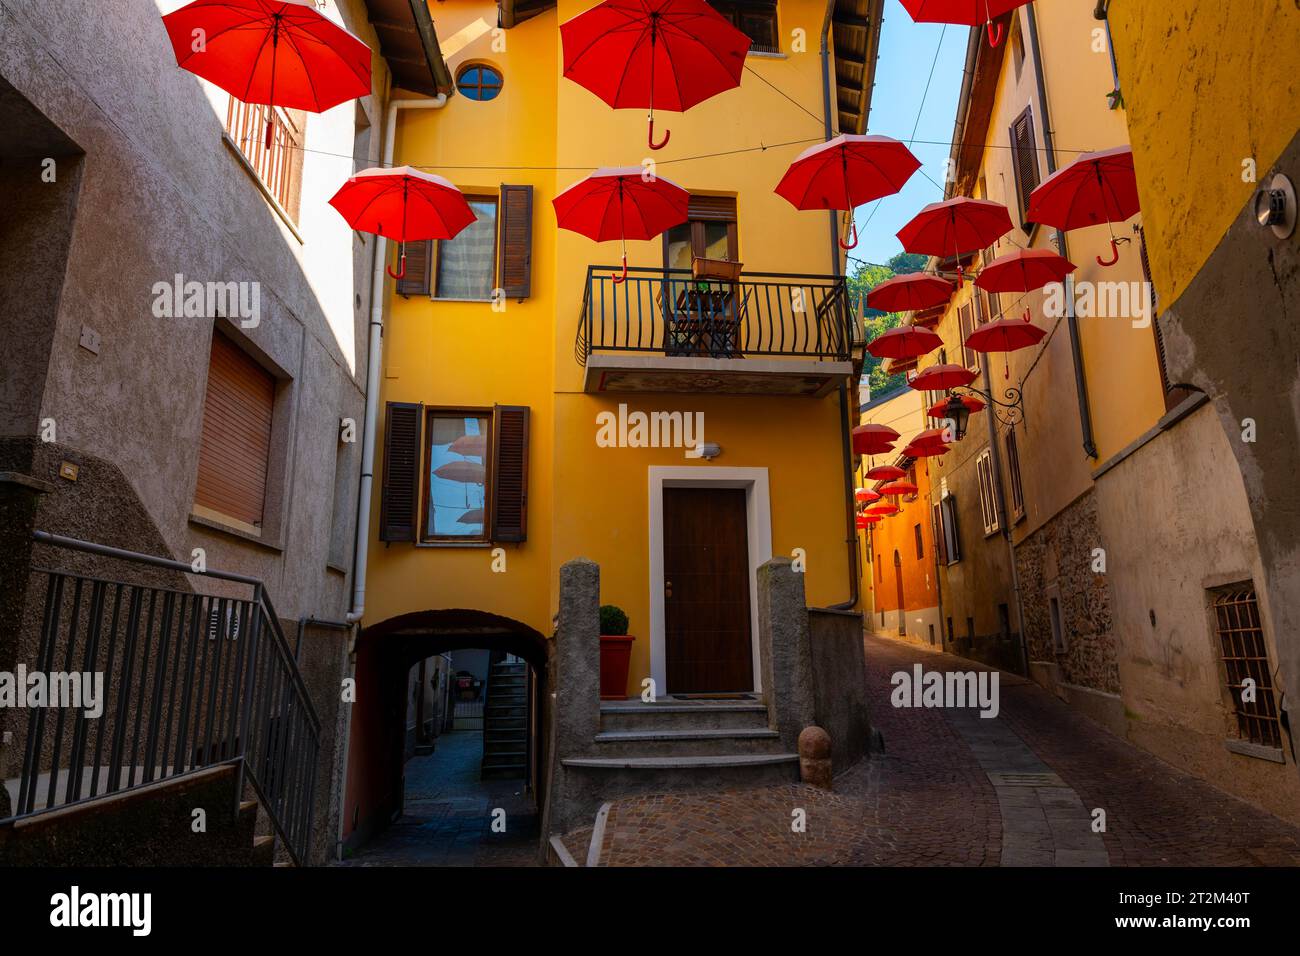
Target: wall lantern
1275 206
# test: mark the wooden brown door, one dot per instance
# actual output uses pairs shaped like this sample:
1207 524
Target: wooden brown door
707 641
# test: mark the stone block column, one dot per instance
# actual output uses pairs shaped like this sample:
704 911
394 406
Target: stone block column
785 651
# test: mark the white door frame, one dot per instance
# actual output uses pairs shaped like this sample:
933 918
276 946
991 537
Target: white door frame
758 524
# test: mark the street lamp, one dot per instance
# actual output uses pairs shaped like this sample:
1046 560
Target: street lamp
957 413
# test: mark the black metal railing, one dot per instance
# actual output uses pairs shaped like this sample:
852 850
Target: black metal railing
189 681
671 313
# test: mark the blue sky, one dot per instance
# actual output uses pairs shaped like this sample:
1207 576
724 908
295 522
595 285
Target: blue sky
906 51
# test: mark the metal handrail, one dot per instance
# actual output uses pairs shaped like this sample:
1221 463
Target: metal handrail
171 705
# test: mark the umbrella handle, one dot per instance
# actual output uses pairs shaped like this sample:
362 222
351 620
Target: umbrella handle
1114 255
650 135
401 269
854 243
270 125
960 274
619 280
995 35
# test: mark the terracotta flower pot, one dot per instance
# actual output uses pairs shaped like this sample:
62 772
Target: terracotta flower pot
615 658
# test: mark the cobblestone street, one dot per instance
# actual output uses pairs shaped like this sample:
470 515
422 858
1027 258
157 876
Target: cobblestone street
955 789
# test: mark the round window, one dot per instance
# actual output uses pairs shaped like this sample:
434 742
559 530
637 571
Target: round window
478 82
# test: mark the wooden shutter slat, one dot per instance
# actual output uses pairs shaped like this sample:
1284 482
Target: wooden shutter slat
400 495
236 440
713 208
1024 148
510 480
516 243
419 261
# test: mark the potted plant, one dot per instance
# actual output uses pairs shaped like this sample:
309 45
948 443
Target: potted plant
615 653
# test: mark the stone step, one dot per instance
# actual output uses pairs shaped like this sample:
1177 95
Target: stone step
676 715
688 742
513 772
696 763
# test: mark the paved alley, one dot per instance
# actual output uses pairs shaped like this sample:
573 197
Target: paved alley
449 811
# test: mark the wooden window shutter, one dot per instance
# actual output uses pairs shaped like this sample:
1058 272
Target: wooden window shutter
236 438
510 465
516 230
400 496
1025 162
712 208
419 268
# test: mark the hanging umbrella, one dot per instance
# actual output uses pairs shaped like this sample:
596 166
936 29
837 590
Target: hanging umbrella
873 439
954 226
1095 188
865 495
904 342
282 53
469 445
883 508
931 436
473 516
940 378
403 204
466 472
646 53
846 172
1005 335
969 13
886 473
939 409
910 293
862 522
925 451
899 488
621 203
1024 270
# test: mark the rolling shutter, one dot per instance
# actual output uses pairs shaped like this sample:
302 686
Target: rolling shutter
236 440
516 241
1024 150
399 499
419 268
712 208
510 461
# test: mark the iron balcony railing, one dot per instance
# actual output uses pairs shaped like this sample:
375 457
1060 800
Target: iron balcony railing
669 312
190 681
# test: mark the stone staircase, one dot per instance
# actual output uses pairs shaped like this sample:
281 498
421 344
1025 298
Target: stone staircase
505 723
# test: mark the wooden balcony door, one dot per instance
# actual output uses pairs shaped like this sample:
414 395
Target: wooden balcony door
707 641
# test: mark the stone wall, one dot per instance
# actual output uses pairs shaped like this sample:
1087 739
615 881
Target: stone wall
840 683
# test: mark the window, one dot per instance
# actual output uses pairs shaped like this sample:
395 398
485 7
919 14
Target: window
965 326
1058 627
754 18
1024 161
708 233
280 167
988 491
880 571
1013 469
936 531
1245 657
1017 46
911 479
920 550
1173 393
454 475
950 535
235 447
466 265
477 81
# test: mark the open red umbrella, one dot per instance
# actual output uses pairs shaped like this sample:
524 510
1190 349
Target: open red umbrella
966 12
909 293
940 378
903 342
403 204
647 53
886 473
621 202
863 522
954 226
847 171
276 52
932 450
939 409
931 436
873 439
899 487
1024 270
1095 188
883 508
1005 335
865 495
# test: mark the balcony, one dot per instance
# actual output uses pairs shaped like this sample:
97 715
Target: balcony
663 330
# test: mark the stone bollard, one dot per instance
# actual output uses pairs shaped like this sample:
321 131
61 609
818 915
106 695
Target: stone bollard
815 757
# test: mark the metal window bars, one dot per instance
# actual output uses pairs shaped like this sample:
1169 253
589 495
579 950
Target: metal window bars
1245 657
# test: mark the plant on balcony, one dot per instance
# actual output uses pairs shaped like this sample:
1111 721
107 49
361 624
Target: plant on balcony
615 653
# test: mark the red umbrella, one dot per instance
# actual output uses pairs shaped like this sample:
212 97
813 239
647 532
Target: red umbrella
1005 335
899 488
865 495
883 508
940 408
873 439
886 473
621 203
967 12
956 225
940 378
862 522
909 293
275 52
903 342
1095 188
466 472
1024 270
931 436
933 450
403 204
847 171
647 53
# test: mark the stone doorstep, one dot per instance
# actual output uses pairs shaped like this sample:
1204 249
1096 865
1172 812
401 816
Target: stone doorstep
674 763
722 733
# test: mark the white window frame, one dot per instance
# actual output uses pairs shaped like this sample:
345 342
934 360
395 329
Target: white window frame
988 501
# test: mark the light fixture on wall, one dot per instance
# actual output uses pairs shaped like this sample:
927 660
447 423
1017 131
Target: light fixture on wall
1010 412
1275 206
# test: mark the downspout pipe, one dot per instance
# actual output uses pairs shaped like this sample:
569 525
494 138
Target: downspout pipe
1071 319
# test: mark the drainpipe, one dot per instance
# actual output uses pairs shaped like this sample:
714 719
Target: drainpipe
1072 322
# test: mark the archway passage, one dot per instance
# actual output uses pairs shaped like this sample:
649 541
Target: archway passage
447 743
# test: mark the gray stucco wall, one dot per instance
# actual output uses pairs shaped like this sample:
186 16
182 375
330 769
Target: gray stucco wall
840 683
